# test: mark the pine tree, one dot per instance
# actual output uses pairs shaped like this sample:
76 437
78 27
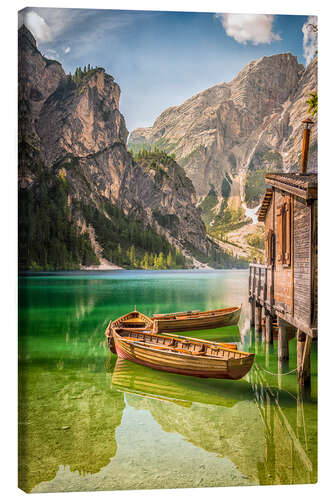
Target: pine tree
313 104
169 260
160 261
145 261
180 260
156 263
119 254
131 256
151 260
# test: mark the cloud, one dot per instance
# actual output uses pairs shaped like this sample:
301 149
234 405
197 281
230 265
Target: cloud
79 29
36 24
255 28
67 50
51 54
310 39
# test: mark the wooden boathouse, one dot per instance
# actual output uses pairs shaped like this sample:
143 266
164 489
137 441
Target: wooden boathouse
285 287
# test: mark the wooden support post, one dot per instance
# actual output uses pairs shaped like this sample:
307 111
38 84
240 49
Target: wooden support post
300 349
252 309
267 355
268 327
259 283
258 315
303 357
263 330
265 285
283 345
250 281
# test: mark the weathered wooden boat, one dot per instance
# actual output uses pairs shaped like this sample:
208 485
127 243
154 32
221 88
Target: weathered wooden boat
132 320
110 331
196 320
182 355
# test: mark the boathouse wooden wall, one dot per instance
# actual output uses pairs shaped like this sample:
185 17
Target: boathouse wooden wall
269 226
302 259
291 285
314 267
283 274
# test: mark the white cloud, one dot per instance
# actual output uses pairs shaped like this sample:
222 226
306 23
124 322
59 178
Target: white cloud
67 50
51 54
78 29
36 24
310 39
255 28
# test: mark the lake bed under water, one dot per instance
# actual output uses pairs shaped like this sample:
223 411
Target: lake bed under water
88 421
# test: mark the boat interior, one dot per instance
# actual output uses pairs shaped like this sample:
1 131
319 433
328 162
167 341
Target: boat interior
180 345
133 320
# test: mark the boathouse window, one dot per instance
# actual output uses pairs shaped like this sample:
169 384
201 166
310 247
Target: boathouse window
269 247
284 232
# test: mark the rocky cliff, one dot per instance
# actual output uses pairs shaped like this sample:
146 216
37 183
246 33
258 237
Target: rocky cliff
251 123
79 186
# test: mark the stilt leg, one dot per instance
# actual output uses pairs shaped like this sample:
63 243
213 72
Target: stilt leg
252 313
303 358
269 328
258 316
283 346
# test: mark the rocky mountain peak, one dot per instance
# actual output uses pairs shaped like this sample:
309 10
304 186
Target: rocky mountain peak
263 85
217 131
25 36
85 117
79 182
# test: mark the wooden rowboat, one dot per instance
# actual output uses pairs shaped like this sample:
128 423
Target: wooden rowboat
133 320
196 320
181 355
109 332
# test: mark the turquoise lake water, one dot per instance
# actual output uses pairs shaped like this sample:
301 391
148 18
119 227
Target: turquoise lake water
89 422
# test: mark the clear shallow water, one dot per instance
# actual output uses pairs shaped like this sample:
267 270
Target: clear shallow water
90 422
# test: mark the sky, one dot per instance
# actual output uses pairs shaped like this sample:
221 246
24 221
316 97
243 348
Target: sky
160 59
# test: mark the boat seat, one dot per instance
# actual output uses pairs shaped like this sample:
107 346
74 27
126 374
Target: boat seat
156 346
186 351
133 338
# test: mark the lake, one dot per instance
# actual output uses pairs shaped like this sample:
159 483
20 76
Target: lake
89 422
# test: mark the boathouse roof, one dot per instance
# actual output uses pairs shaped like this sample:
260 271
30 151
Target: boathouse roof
304 186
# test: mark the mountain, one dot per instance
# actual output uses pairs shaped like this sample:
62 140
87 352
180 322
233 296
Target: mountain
83 199
229 135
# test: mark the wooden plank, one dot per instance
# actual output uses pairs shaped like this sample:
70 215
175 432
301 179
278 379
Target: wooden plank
279 236
302 193
287 254
302 262
314 265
